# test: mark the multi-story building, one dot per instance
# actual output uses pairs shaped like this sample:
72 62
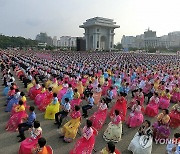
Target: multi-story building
150 40
128 41
174 38
55 41
67 42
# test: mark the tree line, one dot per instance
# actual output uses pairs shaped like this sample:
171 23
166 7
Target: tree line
14 42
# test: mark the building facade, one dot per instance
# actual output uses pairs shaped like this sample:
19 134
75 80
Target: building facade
150 40
99 33
67 42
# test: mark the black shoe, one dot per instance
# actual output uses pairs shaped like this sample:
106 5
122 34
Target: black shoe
61 136
19 136
5 104
55 123
22 139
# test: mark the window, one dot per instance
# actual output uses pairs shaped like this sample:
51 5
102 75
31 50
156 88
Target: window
97 30
112 31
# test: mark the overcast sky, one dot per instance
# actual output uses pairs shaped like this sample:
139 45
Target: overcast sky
62 17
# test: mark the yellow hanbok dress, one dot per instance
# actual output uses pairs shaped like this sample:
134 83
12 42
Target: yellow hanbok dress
57 89
101 80
104 151
80 88
70 129
51 110
48 82
29 86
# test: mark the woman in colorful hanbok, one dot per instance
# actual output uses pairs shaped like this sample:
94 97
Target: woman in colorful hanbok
105 87
175 116
54 85
142 141
48 83
99 117
133 100
80 87
63 90
30 85
69 94
76 99
161 128
23 98
70 129
40 96
97 94
16 117
44 99
152 108
34 91
11 93
175 94
121 106
101 80
135 117
114 129
6 90
85 144
140 97
84 80
118 83
52 108
165 98
29 143
13 101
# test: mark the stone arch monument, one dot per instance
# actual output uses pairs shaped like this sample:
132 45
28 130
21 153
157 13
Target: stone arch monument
99 33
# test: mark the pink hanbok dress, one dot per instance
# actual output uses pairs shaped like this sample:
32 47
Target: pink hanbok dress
62 92
16 118
85 144
152 108
29 143
164 101
136 117
175 95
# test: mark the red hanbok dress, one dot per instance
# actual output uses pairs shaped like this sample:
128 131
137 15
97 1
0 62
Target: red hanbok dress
121 106
175 116
99 117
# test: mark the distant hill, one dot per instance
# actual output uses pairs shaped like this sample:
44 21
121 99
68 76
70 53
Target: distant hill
13 42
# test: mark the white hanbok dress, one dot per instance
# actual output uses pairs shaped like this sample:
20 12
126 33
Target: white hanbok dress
141 144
